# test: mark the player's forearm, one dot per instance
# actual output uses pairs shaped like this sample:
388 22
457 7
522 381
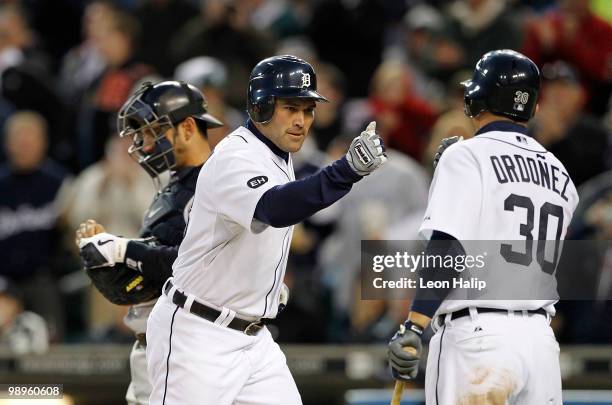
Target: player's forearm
420 319
428 300
155 262
293 202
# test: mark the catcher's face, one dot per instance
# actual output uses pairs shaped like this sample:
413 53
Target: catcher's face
181 137
150 136
290 123
152 145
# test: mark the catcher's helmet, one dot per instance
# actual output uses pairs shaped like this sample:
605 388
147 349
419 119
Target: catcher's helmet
283 76
506 83
152 110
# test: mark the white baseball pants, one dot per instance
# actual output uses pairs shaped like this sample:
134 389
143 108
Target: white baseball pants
192 361
139 389
494 359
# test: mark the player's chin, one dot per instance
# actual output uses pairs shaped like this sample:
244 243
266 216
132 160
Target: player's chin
294 143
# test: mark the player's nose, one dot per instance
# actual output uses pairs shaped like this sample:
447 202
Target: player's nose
298 120
148 144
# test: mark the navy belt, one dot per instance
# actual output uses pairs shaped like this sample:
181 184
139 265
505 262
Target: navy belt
211 314
466 312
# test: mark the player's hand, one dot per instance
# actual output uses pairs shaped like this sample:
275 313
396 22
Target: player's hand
367 151
102 250
444 144
404 351
284 297
87 229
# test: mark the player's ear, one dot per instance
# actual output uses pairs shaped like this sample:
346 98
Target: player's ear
537 107
188 125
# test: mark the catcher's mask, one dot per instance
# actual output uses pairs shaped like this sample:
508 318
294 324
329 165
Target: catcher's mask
151 112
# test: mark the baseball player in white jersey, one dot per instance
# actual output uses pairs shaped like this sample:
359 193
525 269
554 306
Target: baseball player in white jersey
500 185
206 337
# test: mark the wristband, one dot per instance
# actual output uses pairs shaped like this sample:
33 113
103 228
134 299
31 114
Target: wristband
409 325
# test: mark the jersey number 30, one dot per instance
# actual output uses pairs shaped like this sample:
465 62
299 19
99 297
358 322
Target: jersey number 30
546 210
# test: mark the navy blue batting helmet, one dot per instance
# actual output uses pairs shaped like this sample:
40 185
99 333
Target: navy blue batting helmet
283 76
505 83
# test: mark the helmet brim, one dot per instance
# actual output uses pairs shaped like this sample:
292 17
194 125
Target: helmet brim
299 93
314 95
211 122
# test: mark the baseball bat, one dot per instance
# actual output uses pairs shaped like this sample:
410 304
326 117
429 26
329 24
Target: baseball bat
399 385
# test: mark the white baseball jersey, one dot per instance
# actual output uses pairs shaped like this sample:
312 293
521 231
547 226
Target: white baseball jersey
501 185
227 259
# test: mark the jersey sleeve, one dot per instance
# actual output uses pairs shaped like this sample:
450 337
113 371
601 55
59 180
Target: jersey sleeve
240 180
454 196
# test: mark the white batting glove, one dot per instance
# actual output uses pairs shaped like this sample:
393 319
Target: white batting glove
284 297
366 152
102 250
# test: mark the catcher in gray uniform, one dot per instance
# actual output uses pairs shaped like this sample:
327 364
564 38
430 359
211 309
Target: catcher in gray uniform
168 124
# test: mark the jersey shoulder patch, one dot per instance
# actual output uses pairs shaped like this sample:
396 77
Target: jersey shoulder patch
257 181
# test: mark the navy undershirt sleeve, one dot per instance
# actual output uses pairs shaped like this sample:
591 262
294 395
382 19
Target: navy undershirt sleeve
428 300
156 261
291 203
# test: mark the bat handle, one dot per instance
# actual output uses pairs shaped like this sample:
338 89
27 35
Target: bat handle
399 385
397 393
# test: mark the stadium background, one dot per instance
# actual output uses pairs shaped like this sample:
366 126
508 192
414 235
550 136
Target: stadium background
66 67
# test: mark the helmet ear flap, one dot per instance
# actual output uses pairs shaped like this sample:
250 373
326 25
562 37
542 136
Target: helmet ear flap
473 107
262 111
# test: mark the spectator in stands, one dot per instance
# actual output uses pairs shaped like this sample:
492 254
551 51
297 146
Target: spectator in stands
329 119
379 210
479 26
350 35
220 32
84 63
561 125
429 46
16 31
29 184
25 81
585 268
572 33
21 332
453 122
282 19
402 117
211 76
158 18
117 43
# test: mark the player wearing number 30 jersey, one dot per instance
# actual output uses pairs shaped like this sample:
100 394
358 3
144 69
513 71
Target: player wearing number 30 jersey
500 185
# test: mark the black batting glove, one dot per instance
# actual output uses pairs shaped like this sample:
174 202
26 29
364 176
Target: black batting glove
404 351
444 144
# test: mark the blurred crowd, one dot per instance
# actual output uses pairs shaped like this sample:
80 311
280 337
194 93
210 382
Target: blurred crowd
398 62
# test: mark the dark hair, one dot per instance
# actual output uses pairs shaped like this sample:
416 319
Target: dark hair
202 127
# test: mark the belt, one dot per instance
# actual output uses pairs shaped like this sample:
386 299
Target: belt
466 312
211 314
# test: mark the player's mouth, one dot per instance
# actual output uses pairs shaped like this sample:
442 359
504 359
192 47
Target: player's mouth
296 134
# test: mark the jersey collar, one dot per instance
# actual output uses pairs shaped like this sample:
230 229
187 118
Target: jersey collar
503 126
277 151
183 172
